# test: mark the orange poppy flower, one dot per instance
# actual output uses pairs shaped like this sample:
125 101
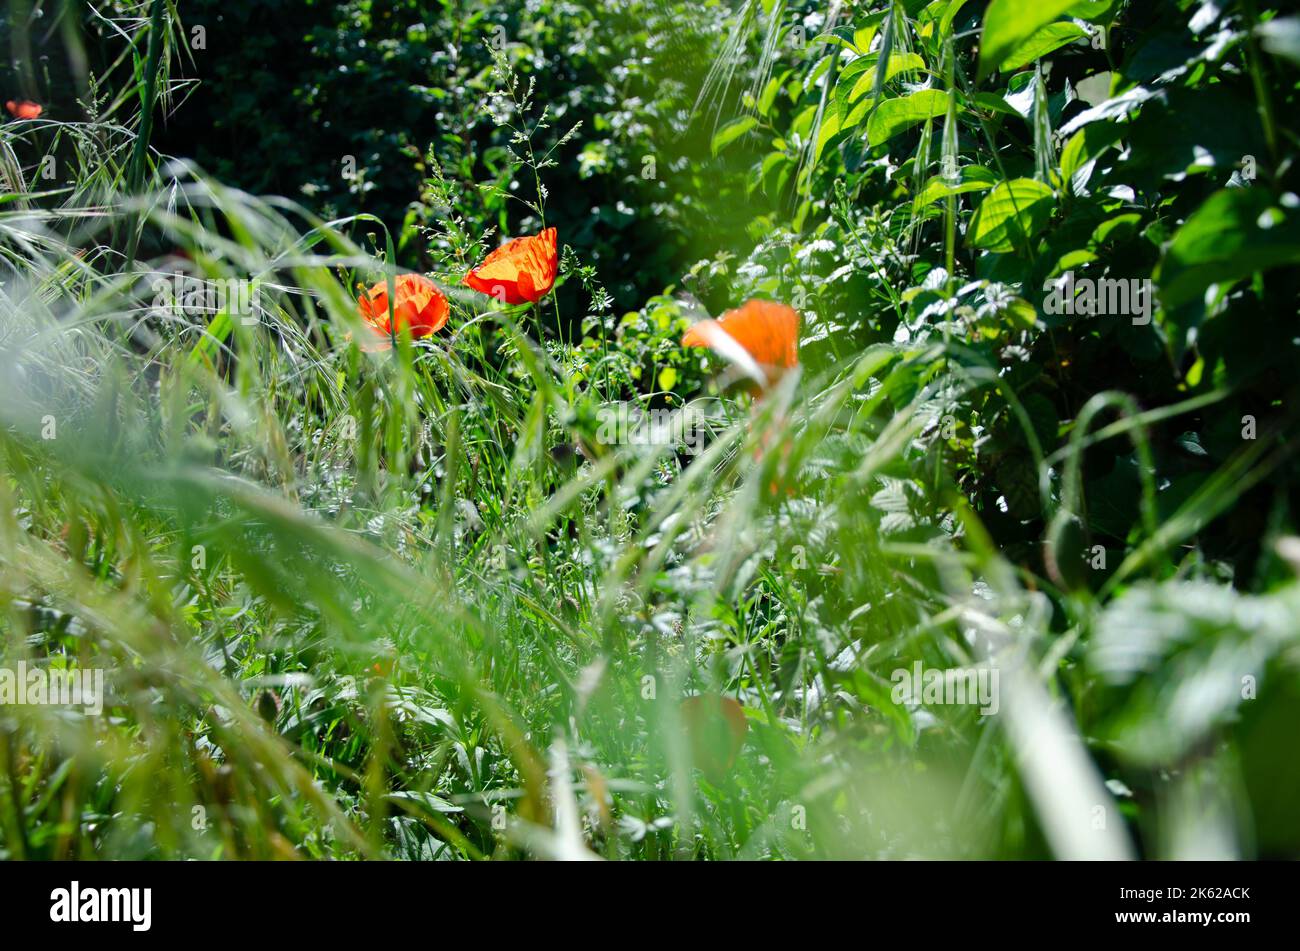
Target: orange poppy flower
766 331
716 727
24 109
417 304
520 271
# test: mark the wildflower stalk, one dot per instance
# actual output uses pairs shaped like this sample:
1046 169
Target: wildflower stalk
139 154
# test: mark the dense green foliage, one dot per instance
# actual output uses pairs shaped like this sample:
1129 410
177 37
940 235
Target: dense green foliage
344 105
420 602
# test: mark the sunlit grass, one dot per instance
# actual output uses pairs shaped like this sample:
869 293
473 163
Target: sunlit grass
405 604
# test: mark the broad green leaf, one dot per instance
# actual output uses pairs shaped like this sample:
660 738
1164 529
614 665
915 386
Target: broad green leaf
945 22
899 62
1073 259
1084 147
994 102
769 93
1125 224
1010 215
1115 108
818 71
862 38
895 115
831 124
732 131
866 33
1049 38
802 124
972 178
775 172
1009 23
1094 10
847 124
1237 232
850 73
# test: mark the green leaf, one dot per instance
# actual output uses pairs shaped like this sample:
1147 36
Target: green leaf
1180 649
1237 232
895 115
1011 214
945 22
994 102
1094 10
1009 23
1049 38
972 178
1084 146
667 378
427 800
770 91
898 63
829 128
732 131
802 124
1125 224
1118 107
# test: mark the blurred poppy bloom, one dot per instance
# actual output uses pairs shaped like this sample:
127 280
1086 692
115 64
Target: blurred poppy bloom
24 109
716 727
520 271
767 333
417 305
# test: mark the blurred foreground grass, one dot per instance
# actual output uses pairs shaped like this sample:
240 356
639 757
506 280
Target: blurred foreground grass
357 604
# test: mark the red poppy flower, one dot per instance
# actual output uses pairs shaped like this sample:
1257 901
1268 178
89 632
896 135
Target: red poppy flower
24 109
768 332
520 271
417 305
716 727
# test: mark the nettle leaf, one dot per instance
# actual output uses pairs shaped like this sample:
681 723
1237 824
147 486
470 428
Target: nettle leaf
1049 38
1011 214
732 131
1181 650
972 178
895 115
1009 23
1237 232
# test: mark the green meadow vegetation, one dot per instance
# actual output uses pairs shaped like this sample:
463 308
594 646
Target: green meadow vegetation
528 576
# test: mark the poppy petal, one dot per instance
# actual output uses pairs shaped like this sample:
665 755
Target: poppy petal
760 337
418 306
520 271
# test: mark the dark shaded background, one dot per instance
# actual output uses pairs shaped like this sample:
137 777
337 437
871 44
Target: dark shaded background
288 88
